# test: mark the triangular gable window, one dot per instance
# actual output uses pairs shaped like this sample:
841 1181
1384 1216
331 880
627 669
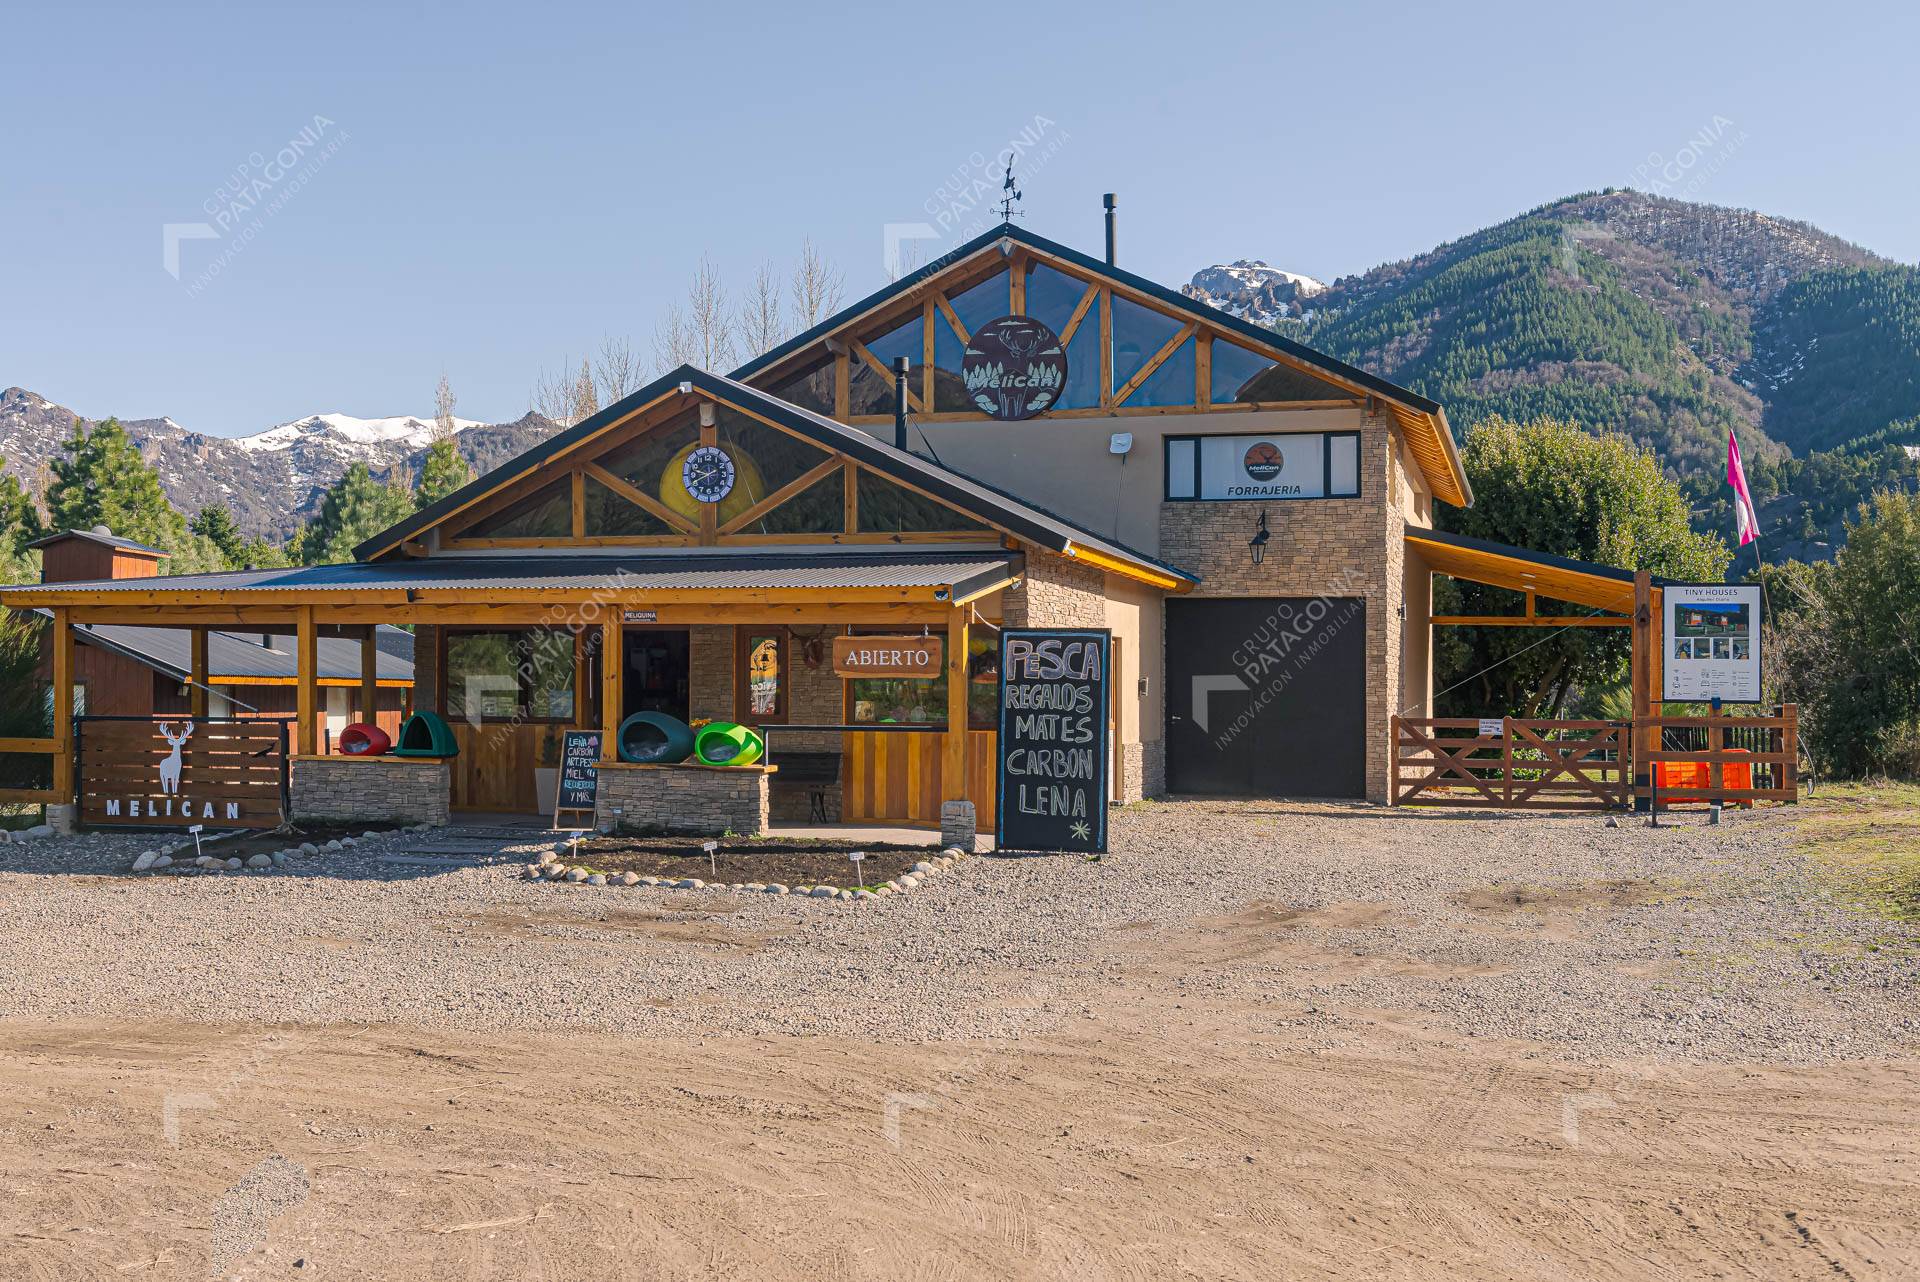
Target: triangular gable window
546 513
1245 377
886 508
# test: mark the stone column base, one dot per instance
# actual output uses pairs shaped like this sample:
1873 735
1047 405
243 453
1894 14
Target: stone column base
405 790
957 824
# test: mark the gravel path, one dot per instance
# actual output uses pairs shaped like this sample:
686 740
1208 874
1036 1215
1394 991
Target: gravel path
1688 942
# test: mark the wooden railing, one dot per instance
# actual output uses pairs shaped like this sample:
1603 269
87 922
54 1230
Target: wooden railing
1524 764
1722 758
16 755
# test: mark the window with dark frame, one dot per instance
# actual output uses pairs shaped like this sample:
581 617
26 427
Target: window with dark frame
1184 471
507 674
923 700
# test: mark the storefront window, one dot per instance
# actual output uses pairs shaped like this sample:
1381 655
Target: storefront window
522 674
760 682
911 701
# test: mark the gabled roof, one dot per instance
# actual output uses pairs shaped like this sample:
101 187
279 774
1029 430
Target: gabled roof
236 656
107 540
1405 402
982 502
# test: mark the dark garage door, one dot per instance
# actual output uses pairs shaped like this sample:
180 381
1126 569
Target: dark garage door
1267 697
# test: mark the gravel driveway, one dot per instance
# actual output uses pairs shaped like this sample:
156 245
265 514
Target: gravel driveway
1689 942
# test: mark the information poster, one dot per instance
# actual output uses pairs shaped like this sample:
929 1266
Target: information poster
1053 766
1712 643
579 769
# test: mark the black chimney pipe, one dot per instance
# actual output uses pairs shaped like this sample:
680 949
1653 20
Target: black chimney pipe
900 367
1107 200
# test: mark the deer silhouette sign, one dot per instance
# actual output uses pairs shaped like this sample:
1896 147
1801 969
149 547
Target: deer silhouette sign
170 767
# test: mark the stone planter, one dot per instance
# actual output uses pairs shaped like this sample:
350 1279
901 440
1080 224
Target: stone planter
684 800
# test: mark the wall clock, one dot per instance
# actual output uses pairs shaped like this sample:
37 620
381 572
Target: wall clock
708 474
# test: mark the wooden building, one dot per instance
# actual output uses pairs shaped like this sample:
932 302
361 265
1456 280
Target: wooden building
1070 444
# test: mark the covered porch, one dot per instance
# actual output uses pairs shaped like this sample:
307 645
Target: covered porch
514 650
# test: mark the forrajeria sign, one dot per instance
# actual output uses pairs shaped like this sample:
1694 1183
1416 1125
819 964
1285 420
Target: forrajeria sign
140 772
1053 747
1239 467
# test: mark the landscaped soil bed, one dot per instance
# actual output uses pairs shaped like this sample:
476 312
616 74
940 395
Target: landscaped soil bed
739 860
258 843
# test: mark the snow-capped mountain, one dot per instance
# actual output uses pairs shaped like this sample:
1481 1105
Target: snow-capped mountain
1254 290
272 480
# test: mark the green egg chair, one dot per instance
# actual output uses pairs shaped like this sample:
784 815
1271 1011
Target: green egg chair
722 743
426 734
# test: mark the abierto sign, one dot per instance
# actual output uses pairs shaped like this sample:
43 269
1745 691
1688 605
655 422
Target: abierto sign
1712 640
888 656
146 773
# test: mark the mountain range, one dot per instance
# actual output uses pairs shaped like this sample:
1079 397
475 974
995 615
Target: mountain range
272 481
1671 321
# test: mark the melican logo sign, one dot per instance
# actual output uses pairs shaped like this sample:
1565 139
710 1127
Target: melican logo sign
1264 461
231 773
1014 368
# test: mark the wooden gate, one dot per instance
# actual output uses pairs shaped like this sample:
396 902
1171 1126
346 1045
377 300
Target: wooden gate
1510 763
1721 758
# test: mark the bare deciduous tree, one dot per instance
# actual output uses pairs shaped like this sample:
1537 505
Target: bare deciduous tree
762 327
585 401
566 397
673 344
618 371
816 289
443 403
709 320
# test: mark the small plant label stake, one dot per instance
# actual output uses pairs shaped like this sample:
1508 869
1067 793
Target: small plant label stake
713 866
856 856
195 832
573 845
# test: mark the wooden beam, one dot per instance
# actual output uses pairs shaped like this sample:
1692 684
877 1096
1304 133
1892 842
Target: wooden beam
579 502
879 366
1017 285
62 676
1639 674
612 672
639 498
1531 621
197 672
927 322
792 489
370 670
953 766
307 668
1203 371
580 690
842 391
1159 358
1106 347
953 318
850 499
1080 310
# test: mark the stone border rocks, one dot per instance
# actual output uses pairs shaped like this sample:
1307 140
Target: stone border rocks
553 870
163 857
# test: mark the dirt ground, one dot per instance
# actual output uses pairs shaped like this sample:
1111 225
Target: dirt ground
1192 1115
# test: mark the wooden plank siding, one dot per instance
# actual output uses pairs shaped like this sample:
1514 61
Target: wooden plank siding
895 777
494 771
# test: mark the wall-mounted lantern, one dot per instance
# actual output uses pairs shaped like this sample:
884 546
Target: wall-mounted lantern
1257 545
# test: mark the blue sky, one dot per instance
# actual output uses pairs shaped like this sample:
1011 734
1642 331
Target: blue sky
496 187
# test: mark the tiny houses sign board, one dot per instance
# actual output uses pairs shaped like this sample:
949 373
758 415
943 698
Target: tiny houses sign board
142 773
1053 765
888 656
1713 643
579 771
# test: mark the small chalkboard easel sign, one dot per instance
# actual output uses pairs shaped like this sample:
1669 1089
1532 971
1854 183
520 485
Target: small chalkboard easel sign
579 776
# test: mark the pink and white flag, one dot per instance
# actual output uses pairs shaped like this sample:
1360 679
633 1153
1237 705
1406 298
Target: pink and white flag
1743 513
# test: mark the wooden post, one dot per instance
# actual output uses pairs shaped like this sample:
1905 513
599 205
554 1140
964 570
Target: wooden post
1639 678
580 690
307 669
1790 745
953 769
62 677
370 675
197 674
612 674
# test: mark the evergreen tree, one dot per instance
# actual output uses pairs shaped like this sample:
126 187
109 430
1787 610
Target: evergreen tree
216 524
354 510
20 524
1554 487
441 473
99 478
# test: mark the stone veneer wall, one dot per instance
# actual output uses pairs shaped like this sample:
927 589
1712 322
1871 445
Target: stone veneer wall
701 801
1319 547
372 789
426 668
710 672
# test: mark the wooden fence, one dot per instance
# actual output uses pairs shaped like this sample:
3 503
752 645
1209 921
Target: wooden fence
1523 764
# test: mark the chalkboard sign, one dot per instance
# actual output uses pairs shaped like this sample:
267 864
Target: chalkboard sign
1053 739
579 771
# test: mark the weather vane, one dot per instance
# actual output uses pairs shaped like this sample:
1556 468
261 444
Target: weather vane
1009 194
